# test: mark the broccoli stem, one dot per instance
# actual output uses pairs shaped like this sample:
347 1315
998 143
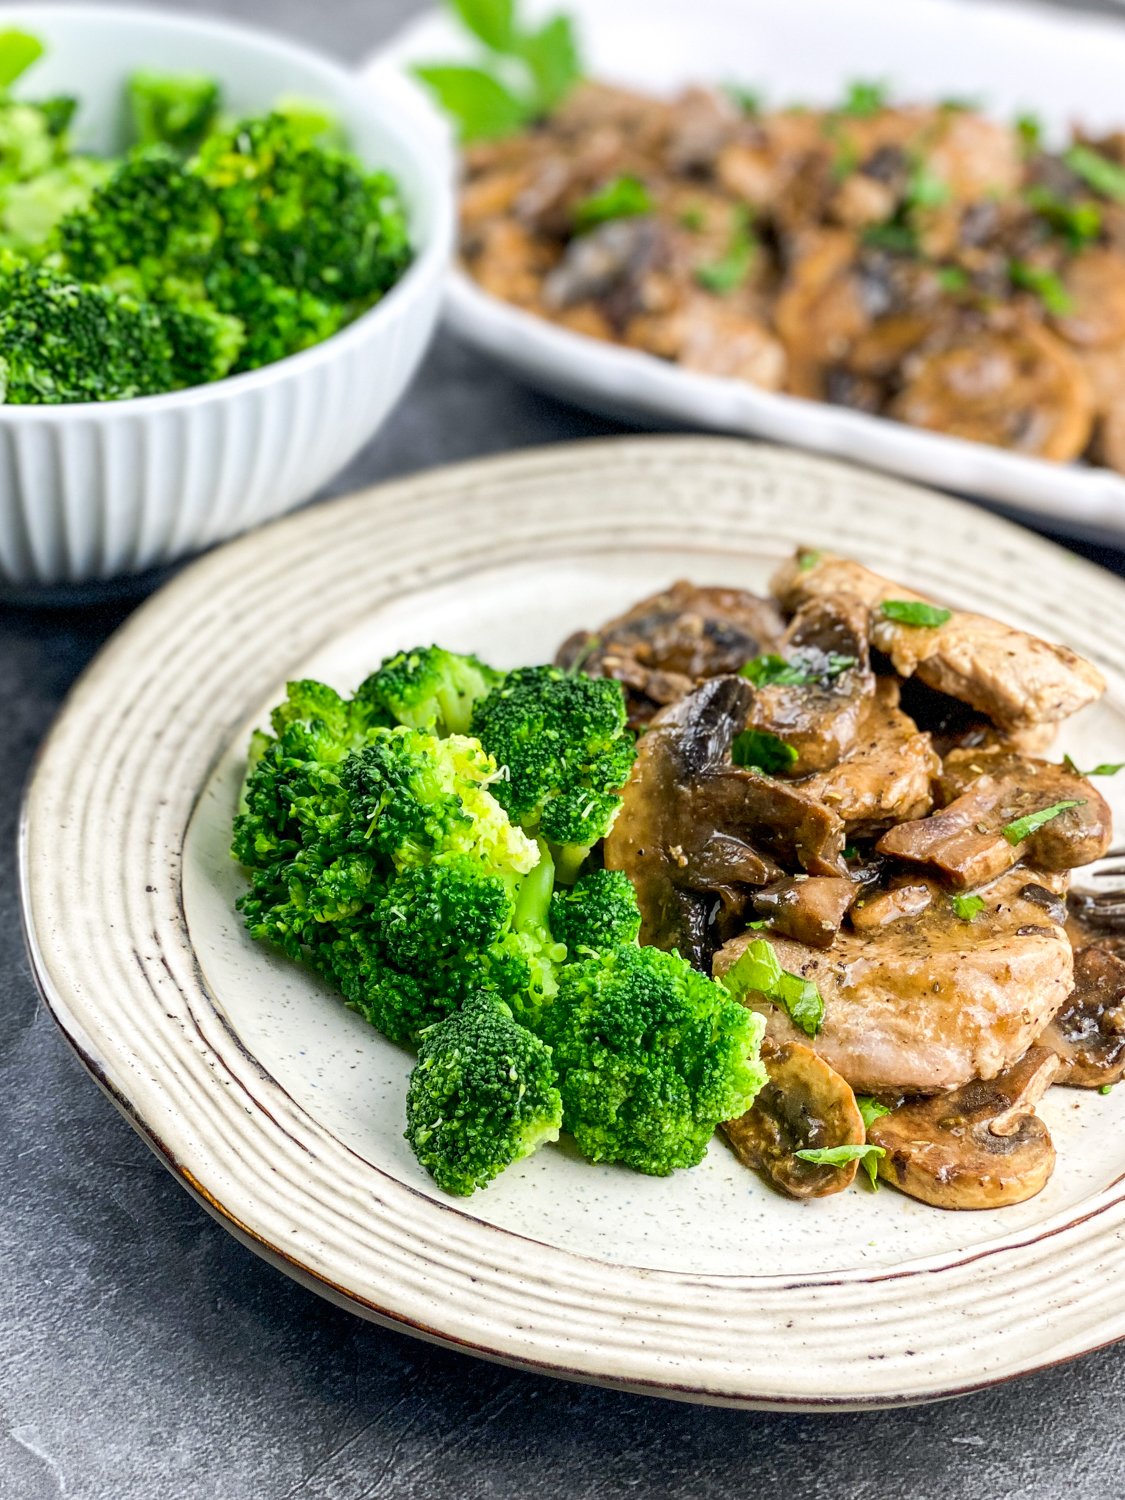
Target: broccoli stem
568 861
533 899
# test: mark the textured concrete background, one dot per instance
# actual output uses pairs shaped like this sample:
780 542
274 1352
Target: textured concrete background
144 1354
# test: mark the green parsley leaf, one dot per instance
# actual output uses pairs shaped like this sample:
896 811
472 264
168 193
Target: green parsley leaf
850 852
841 1156
1046 285
492 21
749 101
952 278
18 50
808 560
1107 768
966 907
870 1109
552 59
1106 1088
482 106
959 106
864 99
758 971
1104 176
915 612
899 239
623 198
762 751
926 190
693 219
1022 828
729 272
1078 223
1030 131
801 669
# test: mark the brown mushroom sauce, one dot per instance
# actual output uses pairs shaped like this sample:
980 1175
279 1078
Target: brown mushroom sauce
885 855
920 262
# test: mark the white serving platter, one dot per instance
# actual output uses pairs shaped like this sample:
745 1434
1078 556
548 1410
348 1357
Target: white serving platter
283 1112
1063 65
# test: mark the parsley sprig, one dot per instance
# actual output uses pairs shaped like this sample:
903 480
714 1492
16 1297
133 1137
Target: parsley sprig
798 670
759 750
758 971
915 612
730 271
523 75
1022 828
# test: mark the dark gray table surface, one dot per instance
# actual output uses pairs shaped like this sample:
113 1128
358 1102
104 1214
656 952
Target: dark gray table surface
144 1354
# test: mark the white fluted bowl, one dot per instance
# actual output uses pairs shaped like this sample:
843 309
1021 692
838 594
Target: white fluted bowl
93 491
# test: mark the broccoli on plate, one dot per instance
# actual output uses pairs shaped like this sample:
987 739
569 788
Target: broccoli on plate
431 688
482 1096
598 913
652 1056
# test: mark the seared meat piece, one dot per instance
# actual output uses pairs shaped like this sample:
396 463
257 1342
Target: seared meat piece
664 645
819 715
953 725
929 1002
809 908
886 775
1014 678
984 792
1088 1033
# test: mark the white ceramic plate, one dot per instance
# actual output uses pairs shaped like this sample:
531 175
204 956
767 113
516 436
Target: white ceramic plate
283 1111
1066 67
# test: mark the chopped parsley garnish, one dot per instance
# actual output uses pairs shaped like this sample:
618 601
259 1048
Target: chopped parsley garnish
1078 223
952 278
1104 176
959 106
1029 128
693 219
1107 767
800 669
728 273
1046 285
864 99
1022 828
842 1156
850 852
915 612
870 1109
758 971
749 101
623 198
966 907
760 750
808 560
1106 1088
925 190
899 239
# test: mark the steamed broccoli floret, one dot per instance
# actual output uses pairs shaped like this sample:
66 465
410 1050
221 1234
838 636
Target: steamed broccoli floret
172 109
598 913
30 211
150 221
482 1096
651 1055
206 343
308 215
431 688
61 341
566 749
277 320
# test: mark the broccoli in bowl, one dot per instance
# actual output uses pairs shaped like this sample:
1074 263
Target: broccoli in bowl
209 246
430 847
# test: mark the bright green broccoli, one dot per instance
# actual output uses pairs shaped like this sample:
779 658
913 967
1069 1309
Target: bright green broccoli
564 744
277 320
651 1056
430 688
172 109
31 211
206 343
598 913
61 341
306 214
482 1096
150 221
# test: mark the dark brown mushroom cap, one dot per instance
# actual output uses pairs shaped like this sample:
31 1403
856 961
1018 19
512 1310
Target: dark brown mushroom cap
805 1105
982 1146
1088 1034
809 908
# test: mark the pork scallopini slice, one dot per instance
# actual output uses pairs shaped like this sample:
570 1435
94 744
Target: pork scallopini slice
929 1001
1013 677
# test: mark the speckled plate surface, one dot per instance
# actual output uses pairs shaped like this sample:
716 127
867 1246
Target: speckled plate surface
283 1112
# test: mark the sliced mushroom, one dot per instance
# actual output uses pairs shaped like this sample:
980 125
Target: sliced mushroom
804 1106
666 644
809 908
1088 1034
872 912
983 1146
819 716
611 260
963 842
